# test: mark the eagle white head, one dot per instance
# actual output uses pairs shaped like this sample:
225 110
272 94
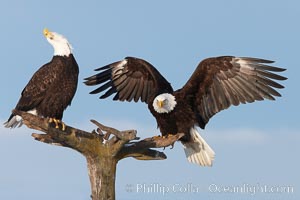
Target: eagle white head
164 103
60 44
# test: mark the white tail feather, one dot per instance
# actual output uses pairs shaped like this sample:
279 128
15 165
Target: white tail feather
15 121
197 150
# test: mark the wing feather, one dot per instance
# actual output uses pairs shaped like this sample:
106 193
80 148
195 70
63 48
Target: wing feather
131 79
232 96
220 82
250 88
139 91
134 91
270 75
145 91
99 78
128 90
269 82
109 92
237 90
103 87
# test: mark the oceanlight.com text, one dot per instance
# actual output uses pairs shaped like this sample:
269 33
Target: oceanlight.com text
251 189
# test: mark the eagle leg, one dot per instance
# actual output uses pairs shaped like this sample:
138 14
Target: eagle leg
57 122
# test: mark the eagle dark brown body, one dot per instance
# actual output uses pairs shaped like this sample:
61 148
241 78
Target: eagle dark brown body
168 123
51 89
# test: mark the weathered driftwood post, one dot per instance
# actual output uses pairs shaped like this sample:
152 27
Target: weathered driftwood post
102 149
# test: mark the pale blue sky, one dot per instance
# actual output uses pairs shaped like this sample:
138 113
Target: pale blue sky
255 144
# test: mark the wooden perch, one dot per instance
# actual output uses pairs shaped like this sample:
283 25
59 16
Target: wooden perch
102 148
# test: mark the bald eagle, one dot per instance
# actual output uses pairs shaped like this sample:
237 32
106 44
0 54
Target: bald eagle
216 84
51 88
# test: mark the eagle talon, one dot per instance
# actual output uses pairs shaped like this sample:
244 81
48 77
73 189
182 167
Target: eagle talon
172 145
166 136
156 137
63 126
57 122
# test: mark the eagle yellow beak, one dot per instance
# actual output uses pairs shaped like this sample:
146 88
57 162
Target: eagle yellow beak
47 33
160 104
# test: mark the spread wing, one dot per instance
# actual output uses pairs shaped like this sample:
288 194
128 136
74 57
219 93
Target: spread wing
34 92
131 79
220 82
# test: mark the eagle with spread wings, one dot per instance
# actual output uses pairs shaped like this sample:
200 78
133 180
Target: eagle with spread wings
216 84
